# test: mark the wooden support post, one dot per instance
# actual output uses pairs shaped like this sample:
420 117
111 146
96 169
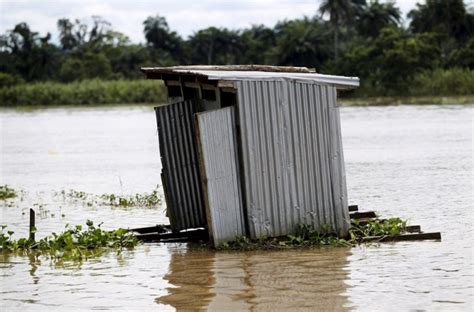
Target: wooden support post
413 229
353 208
360 215
191 235
32 225
152 229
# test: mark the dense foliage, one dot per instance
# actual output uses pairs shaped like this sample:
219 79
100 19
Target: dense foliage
85 92
75 243
364 38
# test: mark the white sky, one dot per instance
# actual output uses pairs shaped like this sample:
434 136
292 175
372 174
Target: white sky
183 16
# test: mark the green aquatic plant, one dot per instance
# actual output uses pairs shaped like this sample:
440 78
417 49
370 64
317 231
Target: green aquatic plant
383 228
137 200
7 192
79 195
152 199
75 243
306 236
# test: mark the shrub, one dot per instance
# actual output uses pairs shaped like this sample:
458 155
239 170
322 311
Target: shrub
456 81
86 92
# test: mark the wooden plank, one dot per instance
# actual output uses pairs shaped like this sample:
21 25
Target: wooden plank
189 84
159 228
228 90
191 235
413 229
365 214
226 84
206 86
353 208
404 237
175 83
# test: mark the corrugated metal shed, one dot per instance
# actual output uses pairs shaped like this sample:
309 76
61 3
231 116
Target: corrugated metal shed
287 144
180 173
220 174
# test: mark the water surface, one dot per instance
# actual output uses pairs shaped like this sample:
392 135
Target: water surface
415 162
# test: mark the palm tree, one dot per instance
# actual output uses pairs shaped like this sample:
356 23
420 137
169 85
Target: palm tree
301 42
340 12
215 46
377 16
167 43
156 31
448 17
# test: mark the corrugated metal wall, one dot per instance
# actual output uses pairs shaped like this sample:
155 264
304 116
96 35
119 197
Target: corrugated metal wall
180 171
292 157
220 174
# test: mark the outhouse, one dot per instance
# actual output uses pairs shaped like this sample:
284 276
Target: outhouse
250 150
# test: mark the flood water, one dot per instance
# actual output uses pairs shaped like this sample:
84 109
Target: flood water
414 162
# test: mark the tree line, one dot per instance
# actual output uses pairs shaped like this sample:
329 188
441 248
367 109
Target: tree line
361 38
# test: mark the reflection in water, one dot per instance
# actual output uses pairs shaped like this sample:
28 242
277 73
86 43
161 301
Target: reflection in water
191 273
307 279
33 261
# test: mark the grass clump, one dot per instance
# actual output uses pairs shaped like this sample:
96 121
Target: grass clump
7 192
75 243
306 236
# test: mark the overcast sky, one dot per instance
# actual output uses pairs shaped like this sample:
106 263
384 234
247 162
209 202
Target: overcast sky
183 16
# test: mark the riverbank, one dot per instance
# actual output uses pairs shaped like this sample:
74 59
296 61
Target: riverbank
87 92
125 92
407 100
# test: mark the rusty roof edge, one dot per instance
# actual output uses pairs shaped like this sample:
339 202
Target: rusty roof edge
338 81
341 82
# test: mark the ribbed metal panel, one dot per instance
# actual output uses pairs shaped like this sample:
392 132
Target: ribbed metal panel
292 158
220 174
180 171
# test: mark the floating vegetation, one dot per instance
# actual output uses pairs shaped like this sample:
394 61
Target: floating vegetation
306 236
138 200
75 243
152 199
388 227
7 192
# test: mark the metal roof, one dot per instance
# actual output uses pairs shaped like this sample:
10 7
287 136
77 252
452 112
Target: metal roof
236 73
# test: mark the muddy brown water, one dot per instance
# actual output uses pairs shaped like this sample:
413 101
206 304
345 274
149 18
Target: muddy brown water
415 162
